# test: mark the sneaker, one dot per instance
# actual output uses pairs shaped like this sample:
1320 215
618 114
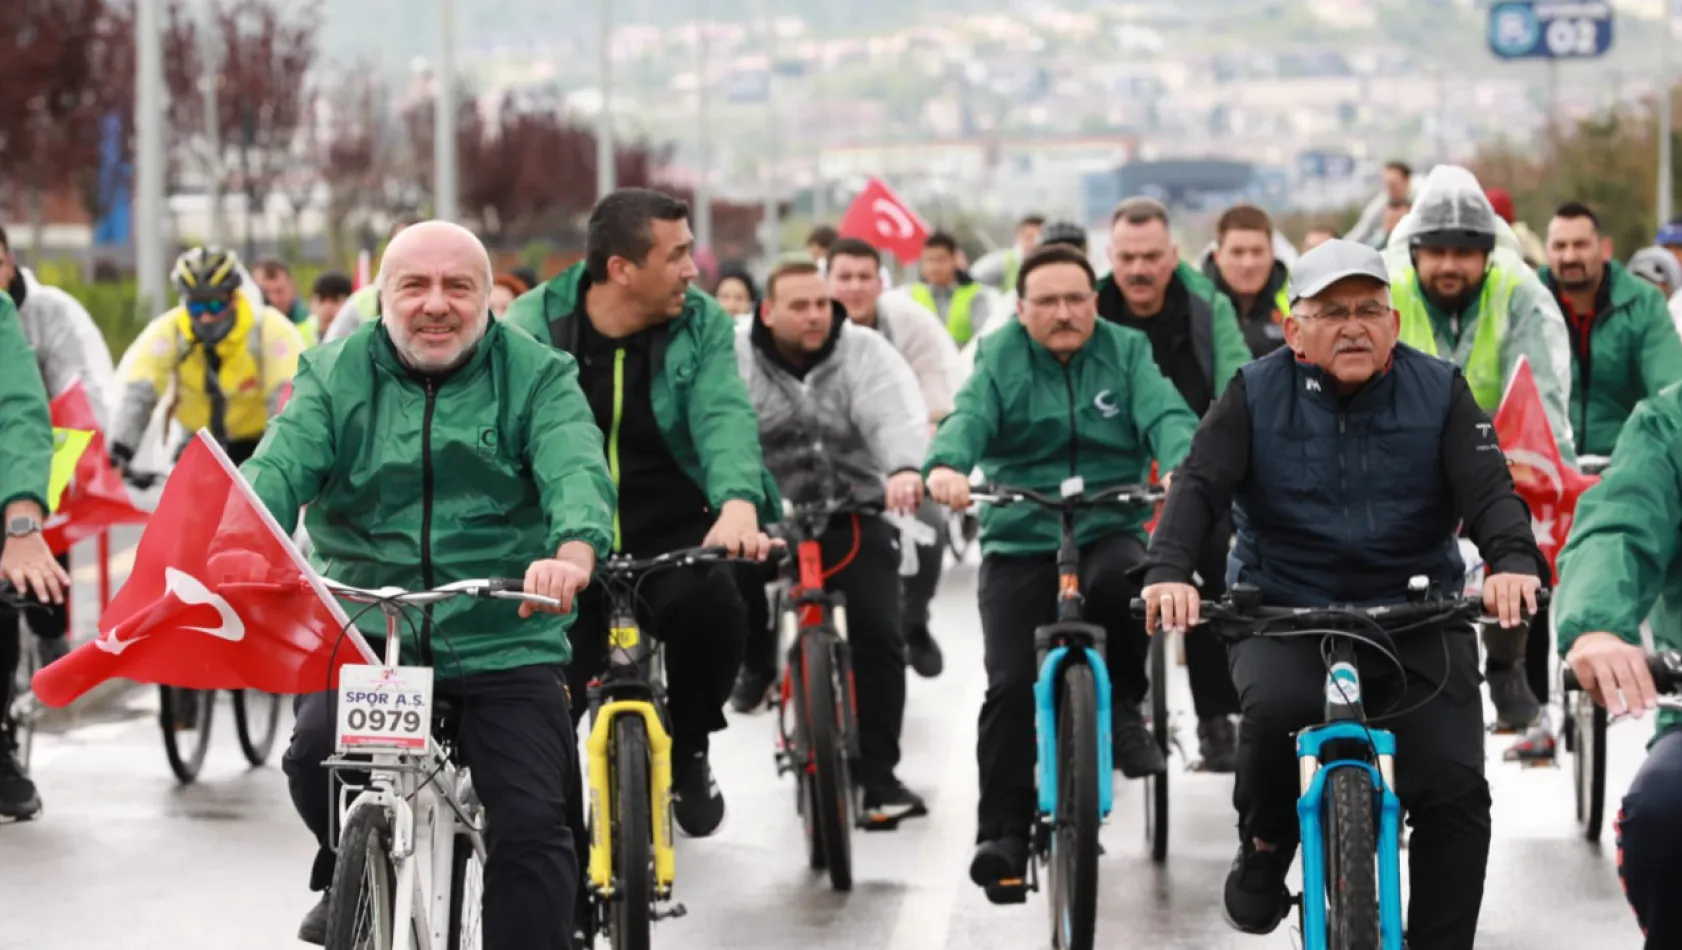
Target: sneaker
1000 863
314 926
697 803
752 693
1516 707
19 800
1537 747
923 653
1217 743
888 805
1256 898
53 649
1136 751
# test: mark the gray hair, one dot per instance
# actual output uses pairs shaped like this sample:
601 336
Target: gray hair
1140 210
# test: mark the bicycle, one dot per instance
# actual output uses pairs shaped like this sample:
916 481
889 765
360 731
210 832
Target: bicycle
1585 736
1072 722
817 691
25 710
410 838
629 755
1347 765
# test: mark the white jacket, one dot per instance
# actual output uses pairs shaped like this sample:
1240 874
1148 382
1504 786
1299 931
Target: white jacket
68 345
918 335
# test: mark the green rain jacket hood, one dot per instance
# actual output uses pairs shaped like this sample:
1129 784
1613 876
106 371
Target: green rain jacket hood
417 481
1629 352
1031 421
26 429
700 401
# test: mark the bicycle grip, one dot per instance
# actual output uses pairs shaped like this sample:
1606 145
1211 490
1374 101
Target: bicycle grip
499 585
1663 679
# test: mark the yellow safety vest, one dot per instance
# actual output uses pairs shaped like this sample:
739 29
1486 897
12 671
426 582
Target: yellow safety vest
1013 267
68 446
958 316
1483 363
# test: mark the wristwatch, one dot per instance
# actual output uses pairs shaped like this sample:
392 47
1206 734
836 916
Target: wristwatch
22 526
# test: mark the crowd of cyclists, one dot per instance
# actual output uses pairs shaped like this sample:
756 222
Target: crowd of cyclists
1321 421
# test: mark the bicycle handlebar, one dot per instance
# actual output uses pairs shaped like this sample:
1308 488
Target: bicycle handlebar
490 588
1115 494
620 567
20 600
1665 666
1225 612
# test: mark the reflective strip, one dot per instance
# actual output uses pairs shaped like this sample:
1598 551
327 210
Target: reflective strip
613 433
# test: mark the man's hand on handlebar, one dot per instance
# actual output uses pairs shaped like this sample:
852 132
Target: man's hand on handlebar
949 487
1614 672
1511 598
557 578
1171 606
905 492
737 531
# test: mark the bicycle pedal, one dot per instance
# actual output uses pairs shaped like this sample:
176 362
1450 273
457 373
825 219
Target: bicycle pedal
671 912
1014 891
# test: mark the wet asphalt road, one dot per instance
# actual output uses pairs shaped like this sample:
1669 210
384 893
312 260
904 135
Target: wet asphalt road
123 859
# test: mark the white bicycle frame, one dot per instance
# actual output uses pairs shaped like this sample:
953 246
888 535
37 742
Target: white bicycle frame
427 799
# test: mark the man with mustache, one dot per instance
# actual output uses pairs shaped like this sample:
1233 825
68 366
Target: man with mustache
1279 449
1476 305
1197 343
1057 393
657 362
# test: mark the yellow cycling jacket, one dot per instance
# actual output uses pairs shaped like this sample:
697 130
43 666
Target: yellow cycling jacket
258 359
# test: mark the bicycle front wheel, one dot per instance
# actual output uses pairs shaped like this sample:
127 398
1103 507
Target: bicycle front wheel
467 893
1588 764
1074 836
632 907
257 716
1156 787
829 784
361 905
185 716
1351 861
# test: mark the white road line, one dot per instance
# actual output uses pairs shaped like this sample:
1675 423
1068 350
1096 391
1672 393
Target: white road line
121 563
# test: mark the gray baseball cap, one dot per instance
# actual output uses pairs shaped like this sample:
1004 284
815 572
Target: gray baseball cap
1331 262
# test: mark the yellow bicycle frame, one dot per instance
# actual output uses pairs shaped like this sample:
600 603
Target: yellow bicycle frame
601 796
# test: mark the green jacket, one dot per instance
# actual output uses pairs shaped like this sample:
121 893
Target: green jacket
700 401
1630 352
1623 561
26 428
1020 412
1216 337
414 483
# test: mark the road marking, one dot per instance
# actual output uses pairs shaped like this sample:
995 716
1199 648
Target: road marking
121 563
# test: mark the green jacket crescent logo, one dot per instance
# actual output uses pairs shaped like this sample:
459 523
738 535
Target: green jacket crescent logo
1106 404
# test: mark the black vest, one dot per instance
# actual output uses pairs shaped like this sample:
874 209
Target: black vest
1346 499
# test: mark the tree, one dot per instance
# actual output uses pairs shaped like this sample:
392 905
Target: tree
355 153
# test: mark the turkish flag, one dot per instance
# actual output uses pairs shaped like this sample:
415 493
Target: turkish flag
1547 484
880 219
1156 479
219 599
96 499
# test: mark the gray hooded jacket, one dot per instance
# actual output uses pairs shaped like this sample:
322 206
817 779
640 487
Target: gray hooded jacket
851 419
68 346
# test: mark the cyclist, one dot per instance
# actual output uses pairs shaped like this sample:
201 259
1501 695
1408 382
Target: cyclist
657 362
26 449
1056 393
1278 448
231 362
1624 540
1061 232
999 268
328 297
839 413
1245 269
486 464
68 347
963 306
1658 267
1466 295
364 304
1196 342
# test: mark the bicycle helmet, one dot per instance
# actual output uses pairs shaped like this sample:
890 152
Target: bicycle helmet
1670 234
1460 219
207 279
1063 232
1657 266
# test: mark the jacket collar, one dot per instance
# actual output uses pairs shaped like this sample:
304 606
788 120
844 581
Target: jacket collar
1317 385
1262 308
760 336
563 307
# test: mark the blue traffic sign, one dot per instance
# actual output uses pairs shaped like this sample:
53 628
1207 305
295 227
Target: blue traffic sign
1542 29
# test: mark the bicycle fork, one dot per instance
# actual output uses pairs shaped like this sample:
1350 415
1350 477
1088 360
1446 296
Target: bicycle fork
1310 815
601 796
1045 725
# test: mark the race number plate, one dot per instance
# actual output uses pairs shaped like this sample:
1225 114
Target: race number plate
382 709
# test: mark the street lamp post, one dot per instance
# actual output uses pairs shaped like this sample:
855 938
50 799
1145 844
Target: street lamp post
1664 102
605 178
149 156
444 117
703 134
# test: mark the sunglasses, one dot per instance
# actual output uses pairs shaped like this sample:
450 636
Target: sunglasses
200 308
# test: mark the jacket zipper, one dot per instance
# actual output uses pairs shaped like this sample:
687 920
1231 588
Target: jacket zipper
613 434
1585 372
1074 432
426 514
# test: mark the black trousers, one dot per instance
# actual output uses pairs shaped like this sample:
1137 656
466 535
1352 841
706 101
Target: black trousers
1212 692
1439 763
50 620
921 587
1018 594
698 614
516 736
1650 843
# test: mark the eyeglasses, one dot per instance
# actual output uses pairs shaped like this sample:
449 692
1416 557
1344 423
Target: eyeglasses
200 308
1366 313
1071 301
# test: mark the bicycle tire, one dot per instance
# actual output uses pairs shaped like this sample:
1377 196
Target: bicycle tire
257 743
1588 765
467 892
1351 842
1156 787
364 868
631 911
831 785
186 763
1073 885
24 710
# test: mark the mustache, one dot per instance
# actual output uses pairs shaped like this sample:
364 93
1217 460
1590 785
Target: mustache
1354 346
1141 280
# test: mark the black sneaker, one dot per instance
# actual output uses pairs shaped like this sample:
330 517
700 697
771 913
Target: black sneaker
923 653
19 800
53 649
1000 863
1136 752
1217 743
697 804
752 693
1516 707
314 927
888 805
1256 898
